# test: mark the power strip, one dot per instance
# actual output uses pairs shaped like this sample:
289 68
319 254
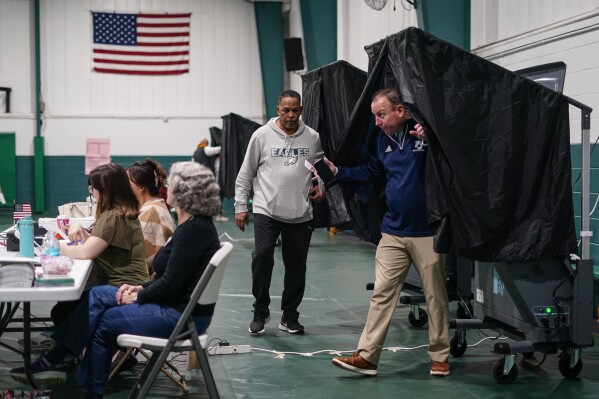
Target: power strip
229 349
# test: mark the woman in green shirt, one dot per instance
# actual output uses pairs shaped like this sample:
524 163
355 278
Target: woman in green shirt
115 243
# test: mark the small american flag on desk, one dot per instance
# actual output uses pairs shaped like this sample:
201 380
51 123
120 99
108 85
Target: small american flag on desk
141 44
20 211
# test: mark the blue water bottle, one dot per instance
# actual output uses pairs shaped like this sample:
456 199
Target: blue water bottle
25 227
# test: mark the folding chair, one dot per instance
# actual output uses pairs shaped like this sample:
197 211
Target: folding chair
184 337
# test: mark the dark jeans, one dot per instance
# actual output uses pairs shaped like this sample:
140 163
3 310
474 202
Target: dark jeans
62 310
295 241
96 324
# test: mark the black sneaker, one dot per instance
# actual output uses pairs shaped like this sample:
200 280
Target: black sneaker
291 326
257 324
42 371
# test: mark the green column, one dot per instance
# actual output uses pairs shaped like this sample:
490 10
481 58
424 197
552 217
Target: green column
269 24
448 20
8 168
39 188
39 172
319 22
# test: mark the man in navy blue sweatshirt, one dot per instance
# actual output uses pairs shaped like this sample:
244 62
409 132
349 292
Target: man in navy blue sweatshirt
400 156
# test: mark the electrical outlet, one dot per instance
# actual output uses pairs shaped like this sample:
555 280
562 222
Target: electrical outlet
229 349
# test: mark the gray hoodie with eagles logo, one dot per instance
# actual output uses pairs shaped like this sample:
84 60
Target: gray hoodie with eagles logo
274 167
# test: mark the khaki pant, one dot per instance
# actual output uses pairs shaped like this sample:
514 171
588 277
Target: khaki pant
394 255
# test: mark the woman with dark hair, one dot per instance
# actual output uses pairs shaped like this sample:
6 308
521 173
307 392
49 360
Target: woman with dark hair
115 243
147 178
150 309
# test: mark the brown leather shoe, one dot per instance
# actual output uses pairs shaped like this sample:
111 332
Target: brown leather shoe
439 368
355 363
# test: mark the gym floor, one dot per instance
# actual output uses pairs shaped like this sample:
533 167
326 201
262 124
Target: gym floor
333 311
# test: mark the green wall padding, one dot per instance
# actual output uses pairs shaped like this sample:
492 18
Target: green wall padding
66 182
65 177
8 168
448 20
319 22
269 24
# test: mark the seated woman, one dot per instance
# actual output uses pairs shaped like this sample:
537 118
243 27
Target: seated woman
152 308
116 242
157 225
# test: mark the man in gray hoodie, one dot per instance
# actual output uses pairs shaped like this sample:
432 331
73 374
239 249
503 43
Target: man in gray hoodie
274 167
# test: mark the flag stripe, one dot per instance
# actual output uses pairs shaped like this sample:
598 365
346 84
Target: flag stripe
153 22
117 57
142 53
141 44
147 68
163 44
165 34
137 72
186 15
173 25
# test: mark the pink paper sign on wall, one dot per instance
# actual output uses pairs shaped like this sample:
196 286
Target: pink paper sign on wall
97 153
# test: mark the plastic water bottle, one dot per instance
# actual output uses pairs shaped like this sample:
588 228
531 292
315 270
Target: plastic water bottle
51 245
25 227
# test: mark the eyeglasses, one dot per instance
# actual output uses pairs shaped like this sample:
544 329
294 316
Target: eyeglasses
91 194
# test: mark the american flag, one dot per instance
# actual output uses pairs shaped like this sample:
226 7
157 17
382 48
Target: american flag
141 44
20 211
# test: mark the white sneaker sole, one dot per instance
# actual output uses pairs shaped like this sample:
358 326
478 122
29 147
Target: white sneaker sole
349 367
45 377
261 332
440 373
283 327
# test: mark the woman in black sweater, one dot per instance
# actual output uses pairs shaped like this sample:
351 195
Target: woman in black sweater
151 309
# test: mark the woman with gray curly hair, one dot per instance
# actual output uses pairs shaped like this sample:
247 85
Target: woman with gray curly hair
151 309
193 190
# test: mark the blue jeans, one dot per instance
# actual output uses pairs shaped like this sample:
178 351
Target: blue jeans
106 321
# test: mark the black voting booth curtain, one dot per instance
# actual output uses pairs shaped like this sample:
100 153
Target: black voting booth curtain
235 137
215 136
499 171
329 96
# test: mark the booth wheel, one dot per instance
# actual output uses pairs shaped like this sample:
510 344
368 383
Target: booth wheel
461 313
455 349
502 378
564 366
423 318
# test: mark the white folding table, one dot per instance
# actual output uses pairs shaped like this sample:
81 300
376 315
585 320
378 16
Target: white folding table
80 273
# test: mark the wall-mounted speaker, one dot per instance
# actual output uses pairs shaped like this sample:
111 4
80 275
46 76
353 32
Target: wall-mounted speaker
294 57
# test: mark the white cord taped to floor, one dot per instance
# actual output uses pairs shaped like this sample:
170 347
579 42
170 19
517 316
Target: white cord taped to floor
280 355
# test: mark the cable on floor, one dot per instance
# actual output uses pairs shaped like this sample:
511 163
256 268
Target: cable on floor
280 355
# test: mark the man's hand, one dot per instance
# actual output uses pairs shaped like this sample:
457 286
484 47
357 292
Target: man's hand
418 132
241 220
331 166
315 194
